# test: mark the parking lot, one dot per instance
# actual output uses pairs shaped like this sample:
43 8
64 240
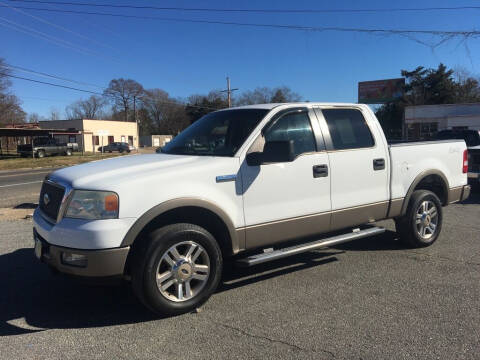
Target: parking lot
370 299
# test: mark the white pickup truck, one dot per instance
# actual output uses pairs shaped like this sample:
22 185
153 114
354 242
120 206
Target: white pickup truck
239 184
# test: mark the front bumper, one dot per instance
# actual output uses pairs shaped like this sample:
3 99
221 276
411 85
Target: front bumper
99 263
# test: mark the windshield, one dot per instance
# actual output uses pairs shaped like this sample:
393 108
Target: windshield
219 133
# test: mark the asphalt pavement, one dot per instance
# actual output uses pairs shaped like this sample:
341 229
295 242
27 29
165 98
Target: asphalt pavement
369 299
21 186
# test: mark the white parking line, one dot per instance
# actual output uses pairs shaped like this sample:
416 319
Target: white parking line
18 184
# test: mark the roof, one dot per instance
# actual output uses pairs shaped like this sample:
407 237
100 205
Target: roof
35 132
274 105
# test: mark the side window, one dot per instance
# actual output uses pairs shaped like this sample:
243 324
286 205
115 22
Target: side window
293 126
348 129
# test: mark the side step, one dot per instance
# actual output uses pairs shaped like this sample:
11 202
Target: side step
313 245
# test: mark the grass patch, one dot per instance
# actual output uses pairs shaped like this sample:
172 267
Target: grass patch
50 161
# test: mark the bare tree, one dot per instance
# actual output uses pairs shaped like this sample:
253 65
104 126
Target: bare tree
122 93
54 114
265 95
5 82
11 111
34 118
161 114
91 108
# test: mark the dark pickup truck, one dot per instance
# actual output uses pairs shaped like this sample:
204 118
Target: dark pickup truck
44 147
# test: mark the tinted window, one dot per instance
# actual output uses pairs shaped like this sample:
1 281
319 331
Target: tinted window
348 129
293 126
219 133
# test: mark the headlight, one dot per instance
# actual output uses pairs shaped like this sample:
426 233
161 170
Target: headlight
86 204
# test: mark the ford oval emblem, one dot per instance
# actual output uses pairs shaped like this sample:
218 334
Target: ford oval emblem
46 199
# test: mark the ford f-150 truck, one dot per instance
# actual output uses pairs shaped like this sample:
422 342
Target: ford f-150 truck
249 184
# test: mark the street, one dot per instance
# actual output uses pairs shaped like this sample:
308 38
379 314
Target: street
368 299
21 186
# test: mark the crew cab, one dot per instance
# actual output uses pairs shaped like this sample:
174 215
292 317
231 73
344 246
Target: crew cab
249 184
45 146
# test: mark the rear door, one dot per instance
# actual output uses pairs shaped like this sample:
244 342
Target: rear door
291 199
358 166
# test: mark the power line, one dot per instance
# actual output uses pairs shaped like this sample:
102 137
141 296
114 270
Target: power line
56 25
30 31
98 93
52 76
279 11
461 33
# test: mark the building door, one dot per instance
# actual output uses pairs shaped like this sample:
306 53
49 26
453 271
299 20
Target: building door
110 139
130 140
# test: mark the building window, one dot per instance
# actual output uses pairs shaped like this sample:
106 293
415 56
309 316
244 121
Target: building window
96 140
110 139
72 139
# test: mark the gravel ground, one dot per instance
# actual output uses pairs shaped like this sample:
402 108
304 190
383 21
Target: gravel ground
370 299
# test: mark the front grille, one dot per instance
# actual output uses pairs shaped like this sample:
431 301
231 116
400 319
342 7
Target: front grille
54 193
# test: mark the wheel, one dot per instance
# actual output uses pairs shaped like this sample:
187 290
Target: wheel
422 224
120 151
40 154
68 152
176 268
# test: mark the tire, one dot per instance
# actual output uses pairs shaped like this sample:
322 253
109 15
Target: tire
422 224
156 255
120 151
40 154
68 152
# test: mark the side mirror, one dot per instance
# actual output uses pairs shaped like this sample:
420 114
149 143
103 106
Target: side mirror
273 152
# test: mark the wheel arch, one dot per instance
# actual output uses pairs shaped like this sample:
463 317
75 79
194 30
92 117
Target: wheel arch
197 211
433 180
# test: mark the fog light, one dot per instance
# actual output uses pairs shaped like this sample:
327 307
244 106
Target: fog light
74 259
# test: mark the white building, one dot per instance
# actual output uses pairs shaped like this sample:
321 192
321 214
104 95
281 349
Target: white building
423 121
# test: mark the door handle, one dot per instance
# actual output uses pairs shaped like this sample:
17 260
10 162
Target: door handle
320 171
378 164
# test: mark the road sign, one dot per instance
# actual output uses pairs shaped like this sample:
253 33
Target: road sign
380 91
103 133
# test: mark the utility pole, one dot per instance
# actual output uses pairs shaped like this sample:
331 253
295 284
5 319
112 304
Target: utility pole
229 92
136 122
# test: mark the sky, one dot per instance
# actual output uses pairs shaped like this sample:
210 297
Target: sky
194 58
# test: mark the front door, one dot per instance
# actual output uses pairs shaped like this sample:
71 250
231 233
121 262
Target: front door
287 200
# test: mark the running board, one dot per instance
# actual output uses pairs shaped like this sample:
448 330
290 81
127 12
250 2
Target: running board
317 244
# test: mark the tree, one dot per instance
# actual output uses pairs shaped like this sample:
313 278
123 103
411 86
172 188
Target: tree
122 93
34 118
161 114
265 95
91 108
200 105
54 114
428 87
11 111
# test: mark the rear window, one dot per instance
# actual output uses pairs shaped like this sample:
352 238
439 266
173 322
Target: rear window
348 129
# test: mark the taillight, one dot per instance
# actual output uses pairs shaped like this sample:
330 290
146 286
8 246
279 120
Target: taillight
465 161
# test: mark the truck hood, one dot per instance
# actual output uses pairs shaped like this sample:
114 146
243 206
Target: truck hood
107 174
